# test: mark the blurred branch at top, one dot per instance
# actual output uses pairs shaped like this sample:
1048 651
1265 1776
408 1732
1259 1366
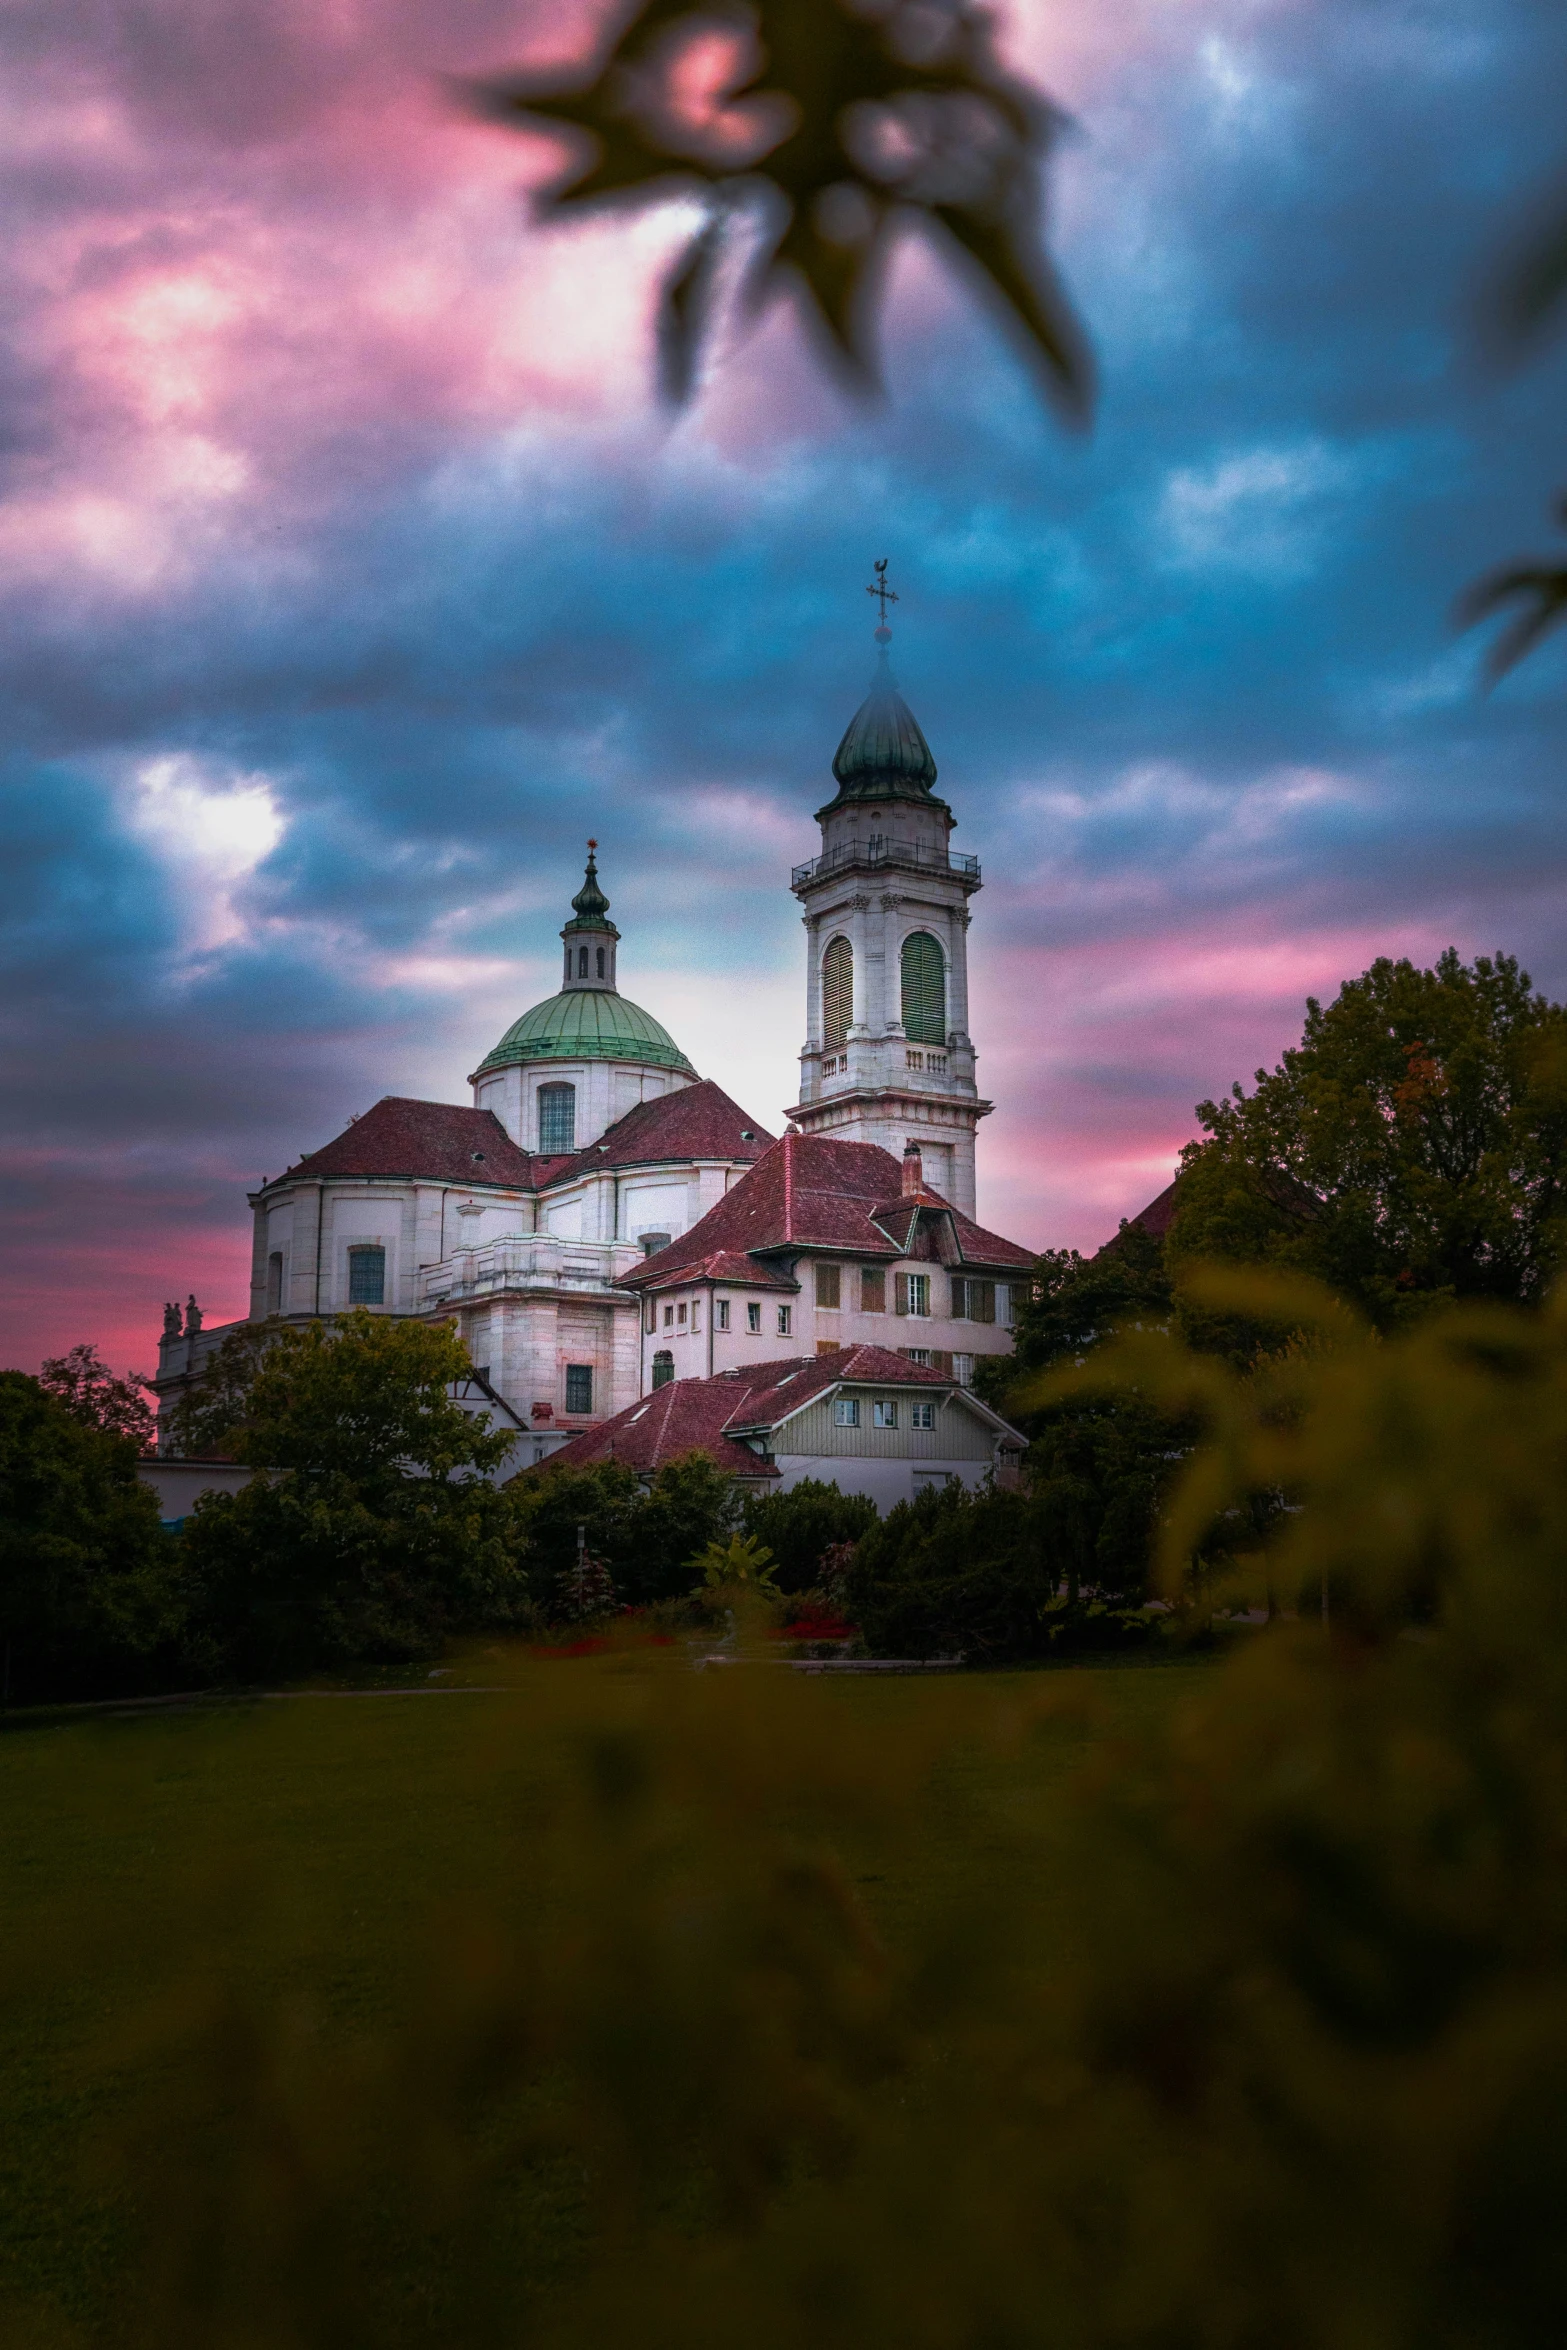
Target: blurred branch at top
814 133
1521 310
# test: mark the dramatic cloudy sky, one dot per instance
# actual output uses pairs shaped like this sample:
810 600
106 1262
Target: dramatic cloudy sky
351 575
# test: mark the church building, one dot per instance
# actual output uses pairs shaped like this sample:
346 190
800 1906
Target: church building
601 1220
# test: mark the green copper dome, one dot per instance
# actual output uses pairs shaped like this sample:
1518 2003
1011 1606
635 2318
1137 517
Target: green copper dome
587 1024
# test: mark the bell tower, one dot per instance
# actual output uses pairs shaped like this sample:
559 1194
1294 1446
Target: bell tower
887 1055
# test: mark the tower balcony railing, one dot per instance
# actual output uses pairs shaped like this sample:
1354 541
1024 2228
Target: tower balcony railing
882 849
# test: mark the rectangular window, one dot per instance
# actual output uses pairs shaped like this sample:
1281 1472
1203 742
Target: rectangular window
367 1276
916 1354
579 1387
913 1295
829 1346
680 1316
753 1316
557 1119
275 1282
973 1301
922 1415
963 1370
696 1313
652 1317
846 1412
828 1287
1004 1296
669 1317
721 1314
873 1290
884 1412
785 1320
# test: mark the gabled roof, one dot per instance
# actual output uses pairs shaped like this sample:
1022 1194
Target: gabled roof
694 1122
438 1142
711 1414
725 1264
811 1192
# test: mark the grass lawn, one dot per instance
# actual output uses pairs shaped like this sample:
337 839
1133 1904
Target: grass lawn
305 1850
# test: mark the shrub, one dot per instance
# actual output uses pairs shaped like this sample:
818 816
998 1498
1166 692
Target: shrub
90 1598
801 1524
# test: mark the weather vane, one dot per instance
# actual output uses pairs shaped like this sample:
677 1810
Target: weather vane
884 594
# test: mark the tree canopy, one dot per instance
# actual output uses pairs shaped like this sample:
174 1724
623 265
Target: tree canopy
1412 1148
91 1393
370 1528
87 1586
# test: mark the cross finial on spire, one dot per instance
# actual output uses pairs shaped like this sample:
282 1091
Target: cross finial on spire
883 594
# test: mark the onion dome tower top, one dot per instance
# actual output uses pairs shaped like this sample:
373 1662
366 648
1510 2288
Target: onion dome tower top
884 754
590 907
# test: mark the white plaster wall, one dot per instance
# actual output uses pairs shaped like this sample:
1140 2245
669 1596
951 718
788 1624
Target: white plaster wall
564 1218
885 1482
649 1205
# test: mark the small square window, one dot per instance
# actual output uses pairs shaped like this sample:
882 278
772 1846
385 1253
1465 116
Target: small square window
753 1315
922 1415
785 1320
884 1412
846 1412
579 1387
873 1290
680 1316
669 1317
721 1314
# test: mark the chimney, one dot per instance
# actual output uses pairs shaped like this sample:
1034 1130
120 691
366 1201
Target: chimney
913 1171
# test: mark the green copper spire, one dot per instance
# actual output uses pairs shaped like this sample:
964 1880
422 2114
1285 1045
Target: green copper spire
590 905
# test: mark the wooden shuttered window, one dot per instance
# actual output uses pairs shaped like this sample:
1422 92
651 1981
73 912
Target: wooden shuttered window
973 1301
828 1286
911 1293
837 992
924 975
873 1290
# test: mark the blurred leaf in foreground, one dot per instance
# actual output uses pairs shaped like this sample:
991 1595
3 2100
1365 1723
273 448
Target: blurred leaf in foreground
813 132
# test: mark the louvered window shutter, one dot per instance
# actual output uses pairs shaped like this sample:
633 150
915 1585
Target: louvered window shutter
982 1301
900 1294
837 992
924 976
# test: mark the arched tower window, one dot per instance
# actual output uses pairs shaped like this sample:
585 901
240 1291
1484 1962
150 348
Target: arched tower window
601 962
837 991
582 962
557 1119
924 975
663 1367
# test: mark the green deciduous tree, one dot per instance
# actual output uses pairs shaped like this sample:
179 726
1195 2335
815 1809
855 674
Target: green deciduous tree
89 1596
370 1529
1411 1148
645 1532
800 1525
1098 1465
93 1394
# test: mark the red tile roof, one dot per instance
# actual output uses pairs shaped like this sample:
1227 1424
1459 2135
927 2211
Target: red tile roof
440 1142
693 1122
808 1191
725 1264
703 1414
